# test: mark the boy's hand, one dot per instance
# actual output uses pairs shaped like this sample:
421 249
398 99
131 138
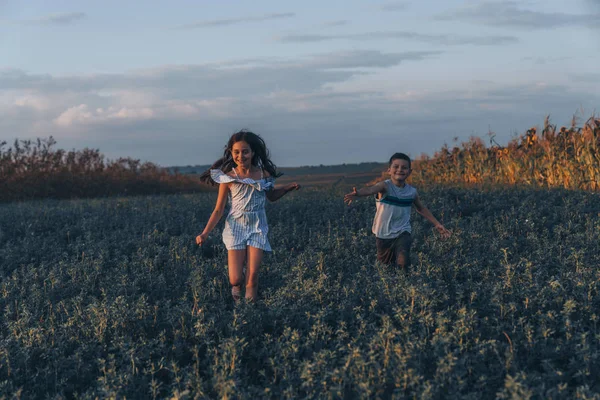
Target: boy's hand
350 197
292 186
201 239
444 233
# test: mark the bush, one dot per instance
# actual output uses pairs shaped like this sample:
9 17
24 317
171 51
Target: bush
33 170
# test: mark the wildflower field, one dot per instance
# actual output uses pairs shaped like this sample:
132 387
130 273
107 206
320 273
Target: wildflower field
110 298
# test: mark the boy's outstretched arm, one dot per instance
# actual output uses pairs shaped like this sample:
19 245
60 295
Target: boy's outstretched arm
278 192
424 211
367 191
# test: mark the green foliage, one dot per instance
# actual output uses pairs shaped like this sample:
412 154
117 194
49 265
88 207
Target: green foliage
111 299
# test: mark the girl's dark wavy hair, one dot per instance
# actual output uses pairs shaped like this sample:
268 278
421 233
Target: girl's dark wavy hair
260 159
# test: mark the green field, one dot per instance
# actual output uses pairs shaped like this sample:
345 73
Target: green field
110 298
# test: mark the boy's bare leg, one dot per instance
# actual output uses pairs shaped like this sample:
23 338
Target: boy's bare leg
235 260
255 256
402 252
403 261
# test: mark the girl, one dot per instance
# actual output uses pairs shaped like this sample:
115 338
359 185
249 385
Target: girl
246 175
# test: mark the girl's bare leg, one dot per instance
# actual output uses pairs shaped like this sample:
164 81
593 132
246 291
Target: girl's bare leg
235 261
255 256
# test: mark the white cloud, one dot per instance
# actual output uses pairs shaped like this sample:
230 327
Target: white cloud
443 40
131 113
35 102
83 114
308 107
340 22
234 21
512 14
80 114
215 80
591 77
545 59
64 18
394 6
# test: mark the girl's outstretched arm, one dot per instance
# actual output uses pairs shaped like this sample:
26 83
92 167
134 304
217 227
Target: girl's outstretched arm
424 211
278 192
216 215
367 191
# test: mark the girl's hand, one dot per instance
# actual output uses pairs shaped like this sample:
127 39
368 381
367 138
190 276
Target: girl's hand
350 197
201 239
292 186
444 233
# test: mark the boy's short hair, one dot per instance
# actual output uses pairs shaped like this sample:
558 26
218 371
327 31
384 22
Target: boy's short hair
399 156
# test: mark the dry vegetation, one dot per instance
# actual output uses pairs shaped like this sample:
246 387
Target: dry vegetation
548 157
552 157
30 170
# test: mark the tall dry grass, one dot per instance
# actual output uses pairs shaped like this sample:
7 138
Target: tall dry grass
550 157
35 169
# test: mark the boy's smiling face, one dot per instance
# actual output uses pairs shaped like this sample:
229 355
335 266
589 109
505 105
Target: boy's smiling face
399 170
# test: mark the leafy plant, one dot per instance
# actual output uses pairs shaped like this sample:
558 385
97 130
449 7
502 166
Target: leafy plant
111 298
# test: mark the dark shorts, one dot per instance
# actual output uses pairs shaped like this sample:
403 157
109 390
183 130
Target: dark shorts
394 251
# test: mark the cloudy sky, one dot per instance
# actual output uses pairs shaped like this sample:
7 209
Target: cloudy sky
324 82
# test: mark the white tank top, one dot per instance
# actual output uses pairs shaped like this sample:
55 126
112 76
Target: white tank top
393 211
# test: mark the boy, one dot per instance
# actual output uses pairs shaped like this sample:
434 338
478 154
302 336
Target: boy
391 225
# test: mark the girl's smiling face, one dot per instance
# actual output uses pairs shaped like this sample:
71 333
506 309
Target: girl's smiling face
242 154
399 170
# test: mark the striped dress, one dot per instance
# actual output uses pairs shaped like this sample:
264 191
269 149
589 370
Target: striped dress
246 222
